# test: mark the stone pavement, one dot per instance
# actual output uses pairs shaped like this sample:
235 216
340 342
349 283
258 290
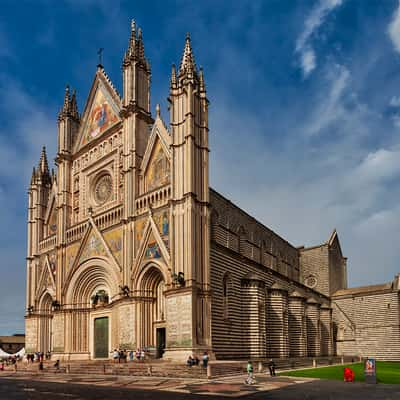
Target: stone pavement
232 386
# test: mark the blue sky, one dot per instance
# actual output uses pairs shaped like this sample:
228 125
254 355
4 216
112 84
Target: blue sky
304 114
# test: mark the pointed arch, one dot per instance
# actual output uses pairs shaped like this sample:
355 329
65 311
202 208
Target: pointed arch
93 274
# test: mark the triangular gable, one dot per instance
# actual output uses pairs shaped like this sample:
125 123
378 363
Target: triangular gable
334 240
156 164
160 132
152 246
46 280
50 218
92 245
101 111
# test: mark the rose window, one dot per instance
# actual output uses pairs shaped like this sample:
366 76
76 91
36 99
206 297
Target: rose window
311 281
103 189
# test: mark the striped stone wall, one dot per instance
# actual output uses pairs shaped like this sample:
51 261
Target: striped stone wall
313 328
367 323
277 328
254 316
297 326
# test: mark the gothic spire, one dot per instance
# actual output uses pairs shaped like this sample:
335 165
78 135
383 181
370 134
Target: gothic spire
33 177
132 41
67 100
201 80
188 64
43 164
74 105
135 49
140 44
173 76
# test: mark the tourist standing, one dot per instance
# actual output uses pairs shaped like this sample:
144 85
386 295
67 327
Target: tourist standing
115 355
205 359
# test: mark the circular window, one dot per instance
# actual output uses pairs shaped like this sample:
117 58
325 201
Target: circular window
103 189
311 281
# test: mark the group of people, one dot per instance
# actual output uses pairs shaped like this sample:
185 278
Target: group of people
194 360
39 356
122 355
250 371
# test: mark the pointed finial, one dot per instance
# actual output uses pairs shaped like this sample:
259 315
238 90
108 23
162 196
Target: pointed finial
43 165
187 64
173 76
201 80
132 39
140 45
158 111
74 105
66 99
33 177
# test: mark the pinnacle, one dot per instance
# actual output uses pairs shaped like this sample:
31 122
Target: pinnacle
43 164
33 178
135 49
201 80
74 105
187 64
67 99
173 76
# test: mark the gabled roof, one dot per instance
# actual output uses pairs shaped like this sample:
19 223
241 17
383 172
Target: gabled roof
103 92
159 131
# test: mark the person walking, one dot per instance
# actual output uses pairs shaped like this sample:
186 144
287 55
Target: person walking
271 367
250 376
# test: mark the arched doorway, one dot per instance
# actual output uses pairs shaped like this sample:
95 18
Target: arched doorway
91 288
152 315
45 330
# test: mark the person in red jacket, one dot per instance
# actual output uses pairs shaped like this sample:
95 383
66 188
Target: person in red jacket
348 375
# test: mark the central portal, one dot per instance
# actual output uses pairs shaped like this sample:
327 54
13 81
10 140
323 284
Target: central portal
160 342
101 338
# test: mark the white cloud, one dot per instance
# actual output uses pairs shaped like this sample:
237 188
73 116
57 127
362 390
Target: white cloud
308 61
331 108
395 101
394 29
312 23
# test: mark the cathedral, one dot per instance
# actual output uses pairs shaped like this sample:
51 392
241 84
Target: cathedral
129 247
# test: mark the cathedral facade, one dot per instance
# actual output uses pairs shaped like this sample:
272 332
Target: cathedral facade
129 247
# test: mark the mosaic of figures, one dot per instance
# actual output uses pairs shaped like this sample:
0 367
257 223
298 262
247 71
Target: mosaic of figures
161 219
71 252
93 248
158 171
153 249
113 239
101 117
52 225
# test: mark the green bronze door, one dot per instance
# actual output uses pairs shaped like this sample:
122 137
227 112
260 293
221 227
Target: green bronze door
101 337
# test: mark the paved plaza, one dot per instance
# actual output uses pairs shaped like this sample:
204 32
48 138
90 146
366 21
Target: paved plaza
15 386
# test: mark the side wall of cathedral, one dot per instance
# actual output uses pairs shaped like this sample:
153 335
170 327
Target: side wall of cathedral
259 309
